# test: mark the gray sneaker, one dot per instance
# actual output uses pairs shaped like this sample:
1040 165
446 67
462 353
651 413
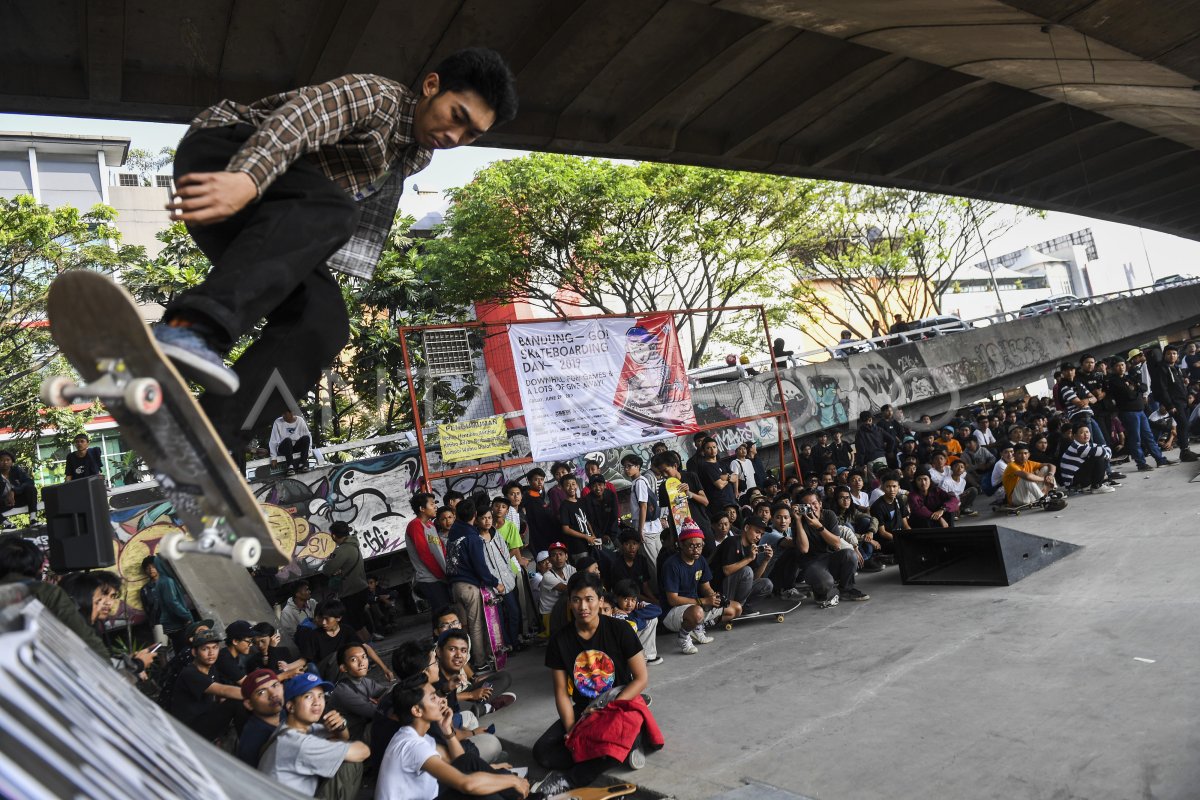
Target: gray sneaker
829 602
196 359
554 783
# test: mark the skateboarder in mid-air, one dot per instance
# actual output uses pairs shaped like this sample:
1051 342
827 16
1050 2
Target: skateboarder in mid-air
279 192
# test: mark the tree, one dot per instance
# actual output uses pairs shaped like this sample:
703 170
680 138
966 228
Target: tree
179 266
568 234
891 251
146 165
38 243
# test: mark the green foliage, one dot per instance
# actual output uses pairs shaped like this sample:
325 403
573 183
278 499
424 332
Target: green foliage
179 266
146 165
37 243
568 233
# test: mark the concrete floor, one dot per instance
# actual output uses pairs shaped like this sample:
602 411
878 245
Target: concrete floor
1037 690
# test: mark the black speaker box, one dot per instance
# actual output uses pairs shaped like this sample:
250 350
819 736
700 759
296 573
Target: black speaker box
974 555
78 526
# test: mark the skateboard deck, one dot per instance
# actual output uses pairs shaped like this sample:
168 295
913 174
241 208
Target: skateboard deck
757 615
679 502
598 792
97 325
493 626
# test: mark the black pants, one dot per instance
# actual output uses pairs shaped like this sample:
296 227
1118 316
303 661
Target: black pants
268 260
1092 472
295 454
824 573
468 764
1181 429
25 496
550 751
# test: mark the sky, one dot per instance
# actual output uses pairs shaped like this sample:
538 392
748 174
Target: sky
1153 254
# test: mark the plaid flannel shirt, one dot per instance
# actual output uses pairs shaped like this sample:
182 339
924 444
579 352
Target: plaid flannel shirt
357 128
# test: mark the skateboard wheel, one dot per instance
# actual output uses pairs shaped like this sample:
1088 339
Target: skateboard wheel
246 552
55 390
728 626
779 618
143 395
172 545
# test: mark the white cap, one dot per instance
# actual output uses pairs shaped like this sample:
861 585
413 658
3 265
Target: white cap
542 555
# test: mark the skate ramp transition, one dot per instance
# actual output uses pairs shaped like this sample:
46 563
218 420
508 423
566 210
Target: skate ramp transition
72 726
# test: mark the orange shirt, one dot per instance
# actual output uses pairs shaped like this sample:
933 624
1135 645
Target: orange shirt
1012 475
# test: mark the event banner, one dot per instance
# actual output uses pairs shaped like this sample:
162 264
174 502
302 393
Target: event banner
600 383
473 438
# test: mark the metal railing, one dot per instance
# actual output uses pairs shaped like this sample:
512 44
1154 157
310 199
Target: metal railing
715 373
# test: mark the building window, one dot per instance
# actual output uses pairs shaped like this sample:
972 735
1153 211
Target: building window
127 179
162 181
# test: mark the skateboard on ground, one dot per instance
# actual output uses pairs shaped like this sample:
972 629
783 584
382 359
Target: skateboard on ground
598 792
1052 501
755 615
98 327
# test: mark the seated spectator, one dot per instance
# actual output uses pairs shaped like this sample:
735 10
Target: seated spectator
413 767
22 488
994 483
381 605
628 605
266 652
984 434
1026 481
481 694
355 696
311 751
1084 465
815 553
952 480
596 659
297 611
289 442
860 526
198 700
891 511
21 562
946 439
979 461
262 695
856 481
691 602
740 566
230 668
426 551
180 659
95 596
930 506
323 644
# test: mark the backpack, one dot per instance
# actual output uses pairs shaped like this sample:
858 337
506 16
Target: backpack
653 509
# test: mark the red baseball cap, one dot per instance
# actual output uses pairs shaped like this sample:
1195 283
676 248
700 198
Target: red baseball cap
556 546
256 680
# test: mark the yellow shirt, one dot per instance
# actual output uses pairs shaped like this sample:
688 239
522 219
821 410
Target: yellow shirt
1012 474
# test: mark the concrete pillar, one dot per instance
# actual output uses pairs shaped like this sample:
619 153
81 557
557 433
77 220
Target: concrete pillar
35 183
103 177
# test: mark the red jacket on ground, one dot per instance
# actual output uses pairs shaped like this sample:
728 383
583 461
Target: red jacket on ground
612 730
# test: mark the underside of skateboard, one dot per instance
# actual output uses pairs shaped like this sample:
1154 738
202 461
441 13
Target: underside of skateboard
778 616
143 398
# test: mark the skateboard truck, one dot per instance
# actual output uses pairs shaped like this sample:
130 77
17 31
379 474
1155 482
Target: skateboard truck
215 539
140 395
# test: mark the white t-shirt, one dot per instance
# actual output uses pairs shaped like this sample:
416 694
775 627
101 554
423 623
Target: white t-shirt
998 476
400 774
744 468
547 595
642 486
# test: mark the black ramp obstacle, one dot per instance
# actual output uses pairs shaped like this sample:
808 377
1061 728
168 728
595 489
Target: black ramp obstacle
974 555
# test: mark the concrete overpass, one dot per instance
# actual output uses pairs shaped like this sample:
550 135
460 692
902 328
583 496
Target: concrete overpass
1086 106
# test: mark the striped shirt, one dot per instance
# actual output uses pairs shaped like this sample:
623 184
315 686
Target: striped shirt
1074 457
1069 392
357 128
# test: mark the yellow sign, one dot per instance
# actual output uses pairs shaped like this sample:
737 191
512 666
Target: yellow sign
473 438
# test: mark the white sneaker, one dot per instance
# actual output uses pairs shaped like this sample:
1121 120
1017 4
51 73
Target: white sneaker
687 646
1103 488
699 636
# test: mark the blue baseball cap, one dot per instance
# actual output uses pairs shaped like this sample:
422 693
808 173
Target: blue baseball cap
304 683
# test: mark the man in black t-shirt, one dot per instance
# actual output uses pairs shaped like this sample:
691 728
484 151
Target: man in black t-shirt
321 646
715 480
84 461
630 563
576 529
230 668
817 556
891 511
262 697
198 700
740 565
593 657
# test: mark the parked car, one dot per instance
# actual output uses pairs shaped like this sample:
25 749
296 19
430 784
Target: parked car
1167 281
1059 302
940 325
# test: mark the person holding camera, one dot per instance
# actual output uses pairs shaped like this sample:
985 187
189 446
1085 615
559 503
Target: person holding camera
817 556
740 566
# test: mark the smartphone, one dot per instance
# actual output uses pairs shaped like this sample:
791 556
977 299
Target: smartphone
155 647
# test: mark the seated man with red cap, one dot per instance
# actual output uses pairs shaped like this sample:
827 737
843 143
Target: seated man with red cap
691 602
